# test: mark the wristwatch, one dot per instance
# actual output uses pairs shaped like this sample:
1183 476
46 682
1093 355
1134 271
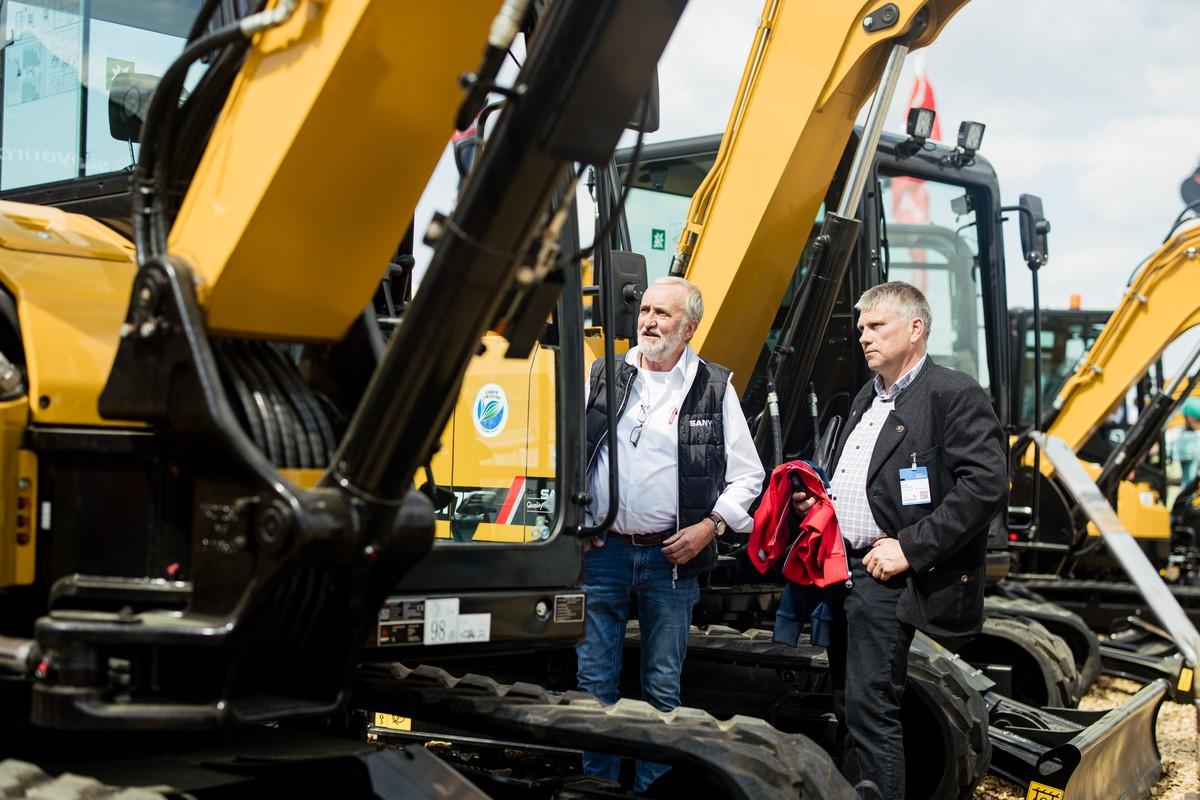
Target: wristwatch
719 521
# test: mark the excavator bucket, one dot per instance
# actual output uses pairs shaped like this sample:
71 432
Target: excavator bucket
1083 755
1060 753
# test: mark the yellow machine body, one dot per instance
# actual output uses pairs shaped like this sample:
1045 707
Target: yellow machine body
18 503
1139 507
498 449
70 277
516 465
291 204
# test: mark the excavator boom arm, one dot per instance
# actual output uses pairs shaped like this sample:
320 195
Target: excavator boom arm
810 71
1159 305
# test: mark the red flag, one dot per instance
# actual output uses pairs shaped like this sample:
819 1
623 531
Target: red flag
910 201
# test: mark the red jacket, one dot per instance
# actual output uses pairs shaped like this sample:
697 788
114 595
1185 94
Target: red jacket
812 551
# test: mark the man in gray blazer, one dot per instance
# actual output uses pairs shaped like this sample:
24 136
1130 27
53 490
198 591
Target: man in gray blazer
918 473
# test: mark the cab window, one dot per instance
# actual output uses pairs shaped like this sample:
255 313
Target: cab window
60 57
932 242
660 194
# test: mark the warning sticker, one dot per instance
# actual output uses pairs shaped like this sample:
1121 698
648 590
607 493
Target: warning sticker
568 608
402 621
432 620
1040 791
392 722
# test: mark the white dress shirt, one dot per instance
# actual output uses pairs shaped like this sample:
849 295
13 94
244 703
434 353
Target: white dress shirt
848 485
648 473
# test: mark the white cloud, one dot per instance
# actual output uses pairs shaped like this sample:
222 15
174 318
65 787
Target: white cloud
1087 105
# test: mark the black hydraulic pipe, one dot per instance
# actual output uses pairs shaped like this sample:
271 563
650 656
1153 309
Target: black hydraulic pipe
151 177
807 319
412 392
621 232
776 427
1035 505
602 263
569 389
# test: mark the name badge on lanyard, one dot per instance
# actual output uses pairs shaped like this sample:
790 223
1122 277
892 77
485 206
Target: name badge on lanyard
914 485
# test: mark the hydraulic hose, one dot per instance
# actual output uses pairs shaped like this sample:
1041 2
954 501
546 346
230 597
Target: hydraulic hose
608 312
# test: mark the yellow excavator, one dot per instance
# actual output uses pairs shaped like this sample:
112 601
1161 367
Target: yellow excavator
1067 336
787 225
1062 556
209 453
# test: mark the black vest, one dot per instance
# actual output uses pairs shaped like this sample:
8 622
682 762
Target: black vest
701 443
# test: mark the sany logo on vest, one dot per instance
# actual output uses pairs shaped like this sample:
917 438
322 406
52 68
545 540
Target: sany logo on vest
490 410
699 423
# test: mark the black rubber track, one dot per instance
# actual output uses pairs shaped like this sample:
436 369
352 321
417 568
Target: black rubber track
947 750
946 701
743 756
1067 625
1043 668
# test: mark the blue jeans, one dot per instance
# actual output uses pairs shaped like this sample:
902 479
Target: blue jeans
614 576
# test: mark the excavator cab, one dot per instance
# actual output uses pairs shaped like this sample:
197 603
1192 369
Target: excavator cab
924 221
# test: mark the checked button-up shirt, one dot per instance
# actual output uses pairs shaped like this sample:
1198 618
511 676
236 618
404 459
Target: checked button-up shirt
848 487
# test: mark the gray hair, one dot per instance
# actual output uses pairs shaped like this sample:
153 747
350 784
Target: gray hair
904 298
693 304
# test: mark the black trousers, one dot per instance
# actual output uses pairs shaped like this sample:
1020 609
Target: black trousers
868 659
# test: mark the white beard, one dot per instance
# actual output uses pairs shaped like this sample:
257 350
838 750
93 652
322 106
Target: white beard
655 347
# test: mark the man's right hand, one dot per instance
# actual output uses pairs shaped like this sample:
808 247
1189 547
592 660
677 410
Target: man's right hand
592 541
802 503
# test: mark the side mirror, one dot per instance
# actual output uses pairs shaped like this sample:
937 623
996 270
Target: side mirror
1035 231
629 279
128 102
645 116
1189 190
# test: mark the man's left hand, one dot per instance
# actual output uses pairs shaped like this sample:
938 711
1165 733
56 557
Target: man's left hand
885 559
687 543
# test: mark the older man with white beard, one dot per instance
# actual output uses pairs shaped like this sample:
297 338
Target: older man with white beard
688 470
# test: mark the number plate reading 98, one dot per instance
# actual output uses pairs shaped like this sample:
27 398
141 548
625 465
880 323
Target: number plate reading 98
444 625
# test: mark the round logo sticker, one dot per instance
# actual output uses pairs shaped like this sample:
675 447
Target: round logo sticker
490 410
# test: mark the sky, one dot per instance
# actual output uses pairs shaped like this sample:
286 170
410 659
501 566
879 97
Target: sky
1087 104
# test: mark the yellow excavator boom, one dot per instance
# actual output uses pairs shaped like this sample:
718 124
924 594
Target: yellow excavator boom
811 68
289 202
1160 304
